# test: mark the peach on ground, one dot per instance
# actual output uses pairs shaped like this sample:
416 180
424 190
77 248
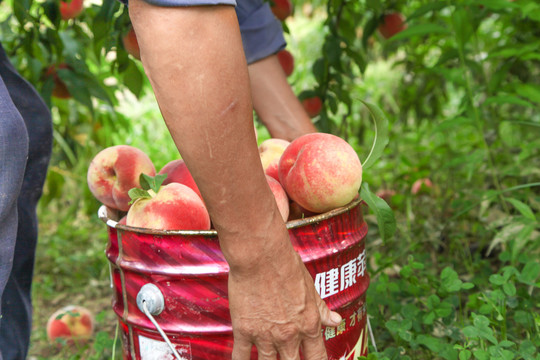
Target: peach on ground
282 200
178 172
116 170
320 172
174 207
270 152
71 323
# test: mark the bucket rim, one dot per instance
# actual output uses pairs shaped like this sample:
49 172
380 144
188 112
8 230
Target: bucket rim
293 224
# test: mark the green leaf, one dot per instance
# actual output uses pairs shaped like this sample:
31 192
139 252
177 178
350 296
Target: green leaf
133 79
136 193
523 208
152 182
507 99
381 135
497 4
530 273
384 214
420 30
529 91
429 7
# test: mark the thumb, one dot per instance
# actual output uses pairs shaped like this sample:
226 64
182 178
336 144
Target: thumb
328 317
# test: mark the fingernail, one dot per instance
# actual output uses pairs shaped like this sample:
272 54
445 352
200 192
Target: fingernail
335 317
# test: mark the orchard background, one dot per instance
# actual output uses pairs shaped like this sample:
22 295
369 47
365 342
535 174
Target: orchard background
460 86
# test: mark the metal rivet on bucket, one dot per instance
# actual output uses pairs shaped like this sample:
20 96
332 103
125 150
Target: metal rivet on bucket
151 302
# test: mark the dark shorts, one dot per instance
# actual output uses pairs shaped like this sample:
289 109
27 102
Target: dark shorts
262 34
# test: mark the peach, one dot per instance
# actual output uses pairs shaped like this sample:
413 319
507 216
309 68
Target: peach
392 24
282 200
281 8
131 44
270 152
286 60
174 207
297 212
70 9
312 105
70 323
320 172
114 171
178 172
60 89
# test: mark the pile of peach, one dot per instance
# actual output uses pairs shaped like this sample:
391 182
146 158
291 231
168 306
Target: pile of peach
313 174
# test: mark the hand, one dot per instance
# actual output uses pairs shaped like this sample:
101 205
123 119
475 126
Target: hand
276 307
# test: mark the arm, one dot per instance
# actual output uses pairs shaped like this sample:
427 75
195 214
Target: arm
275 102
194 59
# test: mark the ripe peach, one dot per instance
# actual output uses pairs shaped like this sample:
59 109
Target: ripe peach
270 151
178 172
312 105
392 24
60 89
320 172
114 171
131 45
174 207
281 8
297 212
287 61
71 323
70 9
281 197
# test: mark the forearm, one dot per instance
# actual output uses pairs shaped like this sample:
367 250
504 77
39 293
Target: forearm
275 102
198 73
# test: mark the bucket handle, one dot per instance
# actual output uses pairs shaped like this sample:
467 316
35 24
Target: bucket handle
151 302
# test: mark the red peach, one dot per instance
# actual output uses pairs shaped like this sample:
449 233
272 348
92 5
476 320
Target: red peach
114 171
320 172
297 212
281 197
312 105
281 9
174 207
71 323
70 9
392 24
178 172
270 152
60 89
131 44
287 61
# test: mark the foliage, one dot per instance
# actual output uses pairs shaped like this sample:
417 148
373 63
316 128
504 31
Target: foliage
460 89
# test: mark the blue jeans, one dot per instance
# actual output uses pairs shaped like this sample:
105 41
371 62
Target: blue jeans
25 150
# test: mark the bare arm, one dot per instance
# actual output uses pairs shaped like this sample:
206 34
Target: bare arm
194 59
275 102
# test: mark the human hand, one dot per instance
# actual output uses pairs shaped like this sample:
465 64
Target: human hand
276 308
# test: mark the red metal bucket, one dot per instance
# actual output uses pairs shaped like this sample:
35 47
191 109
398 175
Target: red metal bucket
191 273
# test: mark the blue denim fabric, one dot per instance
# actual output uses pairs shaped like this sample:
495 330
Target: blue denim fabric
25 149
262 33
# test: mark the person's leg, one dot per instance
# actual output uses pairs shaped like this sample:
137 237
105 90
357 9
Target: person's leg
16 325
